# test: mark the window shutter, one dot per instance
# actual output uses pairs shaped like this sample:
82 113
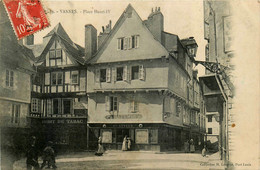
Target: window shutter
108 76
125 43
47 78
125 73
129 71
114 73
107 103
129 42
136 41
119 43
97 75
141 72
32 104
67 77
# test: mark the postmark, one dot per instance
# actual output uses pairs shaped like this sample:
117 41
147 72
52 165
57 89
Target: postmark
27 16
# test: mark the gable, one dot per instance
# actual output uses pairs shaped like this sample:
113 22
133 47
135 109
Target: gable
56 54
148 47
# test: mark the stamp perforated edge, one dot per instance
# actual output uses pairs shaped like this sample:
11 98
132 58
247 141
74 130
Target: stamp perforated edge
43 7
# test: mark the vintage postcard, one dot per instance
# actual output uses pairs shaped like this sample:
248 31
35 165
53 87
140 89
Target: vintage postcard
129 84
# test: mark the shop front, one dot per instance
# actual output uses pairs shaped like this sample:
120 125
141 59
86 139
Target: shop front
143 136
65 133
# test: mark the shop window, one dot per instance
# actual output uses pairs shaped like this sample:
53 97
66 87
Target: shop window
153 136
209 118
56 78
106 135
119 74
15 113
141 136
9 80
209 130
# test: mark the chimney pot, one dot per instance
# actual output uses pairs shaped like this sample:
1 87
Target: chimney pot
152 10
159 9
103 28
155 9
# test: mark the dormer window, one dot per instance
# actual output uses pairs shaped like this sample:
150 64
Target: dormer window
55 55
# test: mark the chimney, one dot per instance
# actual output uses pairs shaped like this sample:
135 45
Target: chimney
90 41
29 40
105 32
155 23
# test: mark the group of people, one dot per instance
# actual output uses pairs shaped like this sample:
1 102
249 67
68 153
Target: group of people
32 156
126 145
189 147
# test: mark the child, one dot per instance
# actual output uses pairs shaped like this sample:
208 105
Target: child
48 156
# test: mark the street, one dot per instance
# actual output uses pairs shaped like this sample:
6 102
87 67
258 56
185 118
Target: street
132 160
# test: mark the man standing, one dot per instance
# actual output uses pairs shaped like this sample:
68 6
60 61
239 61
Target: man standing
32 155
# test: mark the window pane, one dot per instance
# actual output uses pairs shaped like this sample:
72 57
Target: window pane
135 72
119 74
74 78
7 78
67 106
52 54
53 79
59 78
55 106
58 53
102 75
11 78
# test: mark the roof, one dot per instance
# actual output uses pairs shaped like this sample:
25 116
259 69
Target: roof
129 9
76 51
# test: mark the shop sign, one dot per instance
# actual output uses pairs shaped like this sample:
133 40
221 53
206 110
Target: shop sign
63 121
127 116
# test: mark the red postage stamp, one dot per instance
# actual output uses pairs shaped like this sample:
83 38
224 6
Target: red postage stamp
27 16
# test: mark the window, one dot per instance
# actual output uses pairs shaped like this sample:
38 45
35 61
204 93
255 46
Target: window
111 103
209 118
153 136
119 74
134 106
135 72
74 77
15 113
178 108
56 78
66 106
209 130
127 43
35 105
120 43
9 80
55 55
103 75
135 41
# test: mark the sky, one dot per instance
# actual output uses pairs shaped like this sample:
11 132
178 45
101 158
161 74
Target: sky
183 18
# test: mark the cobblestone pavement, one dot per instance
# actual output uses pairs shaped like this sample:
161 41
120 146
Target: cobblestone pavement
132 160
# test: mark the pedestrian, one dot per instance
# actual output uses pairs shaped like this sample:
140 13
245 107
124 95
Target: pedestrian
100 150
204 151
32 155
186 146
124 144
48 156
192 147
128 144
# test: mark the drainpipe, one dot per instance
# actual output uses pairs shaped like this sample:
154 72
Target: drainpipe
226 116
